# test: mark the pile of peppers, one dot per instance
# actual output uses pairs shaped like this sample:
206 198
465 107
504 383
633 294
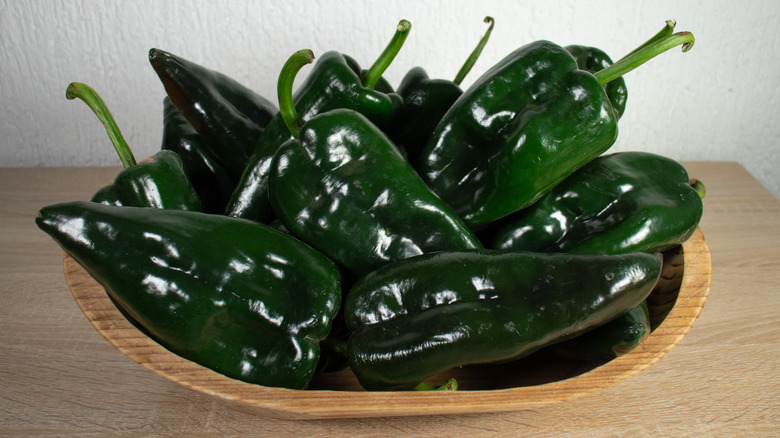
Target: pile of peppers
399 232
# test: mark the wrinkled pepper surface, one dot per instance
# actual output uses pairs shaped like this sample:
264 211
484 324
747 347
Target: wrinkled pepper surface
247 301
162 182
418 317
426 101
335 81
229 116
210 179
343 187
621 202
526 124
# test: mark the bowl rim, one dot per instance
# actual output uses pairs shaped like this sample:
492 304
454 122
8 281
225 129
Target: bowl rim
326 403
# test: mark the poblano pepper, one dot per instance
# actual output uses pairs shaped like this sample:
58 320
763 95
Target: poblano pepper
235 296
210 179
336 81
419 317
229 116
344 188
525 125
426 101
162 182
621 202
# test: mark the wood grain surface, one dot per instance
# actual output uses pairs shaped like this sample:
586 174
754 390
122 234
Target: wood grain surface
59 376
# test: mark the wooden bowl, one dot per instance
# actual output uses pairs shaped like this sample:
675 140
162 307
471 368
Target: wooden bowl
537 380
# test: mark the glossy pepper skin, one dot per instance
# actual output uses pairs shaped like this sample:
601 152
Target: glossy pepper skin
229 116
161 182
621 202
426 100
409 321
525 125
610 340
210 179
521 128
248 301
345 189
593 59
335 81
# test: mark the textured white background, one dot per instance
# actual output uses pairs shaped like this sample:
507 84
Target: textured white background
720 101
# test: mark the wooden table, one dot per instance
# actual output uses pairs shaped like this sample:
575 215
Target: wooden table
59 377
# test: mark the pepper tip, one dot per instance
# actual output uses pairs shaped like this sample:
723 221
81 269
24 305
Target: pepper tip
72 91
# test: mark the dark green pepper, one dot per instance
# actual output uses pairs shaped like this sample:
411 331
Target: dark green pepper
524 126
345 189
610 340
162 182
426 101
238 297
229 116
336 81
210 179
622 202
418 317
593 59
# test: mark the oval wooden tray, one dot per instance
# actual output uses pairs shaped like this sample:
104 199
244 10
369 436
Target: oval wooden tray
537 380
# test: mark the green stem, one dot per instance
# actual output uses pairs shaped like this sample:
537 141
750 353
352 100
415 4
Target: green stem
98 106
373 74
472 59
449 385
699 187
666 31
284 89
647 53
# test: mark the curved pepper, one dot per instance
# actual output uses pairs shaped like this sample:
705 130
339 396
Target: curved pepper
525 125
344 188
229 116
410 321
622 202
210 179
335 81
426 101
162 182
248 301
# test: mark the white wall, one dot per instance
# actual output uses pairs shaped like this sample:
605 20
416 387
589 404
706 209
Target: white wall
720 101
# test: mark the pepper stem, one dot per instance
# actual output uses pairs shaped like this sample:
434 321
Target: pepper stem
646 53
699 187
374 73
449 385
472 59
666 31
284 89
99 107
